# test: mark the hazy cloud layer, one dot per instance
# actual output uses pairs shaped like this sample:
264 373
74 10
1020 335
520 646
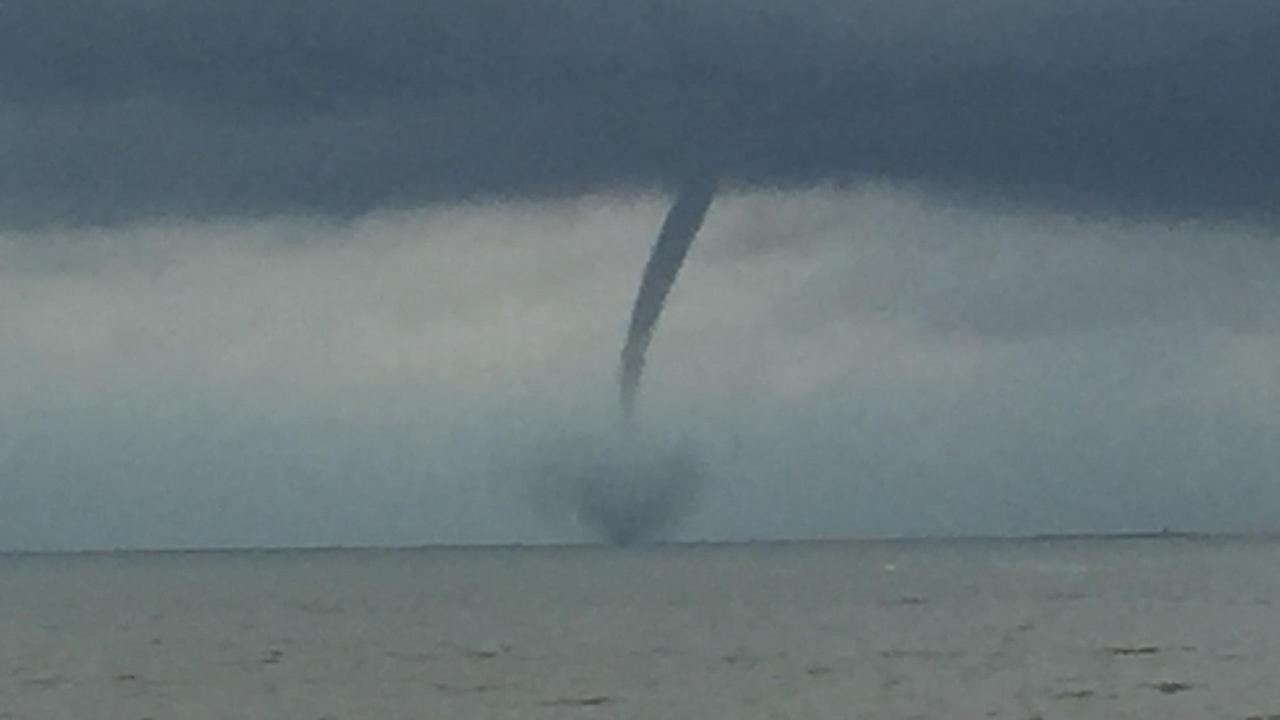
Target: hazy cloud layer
130 110
869 362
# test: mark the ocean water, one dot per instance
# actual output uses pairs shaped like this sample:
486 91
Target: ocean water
1119 628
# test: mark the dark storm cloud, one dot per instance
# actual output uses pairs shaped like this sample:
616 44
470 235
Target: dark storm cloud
123 110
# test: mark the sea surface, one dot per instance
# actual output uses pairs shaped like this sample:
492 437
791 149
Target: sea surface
1088 628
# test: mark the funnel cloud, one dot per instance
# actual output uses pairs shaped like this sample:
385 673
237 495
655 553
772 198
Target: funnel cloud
678 231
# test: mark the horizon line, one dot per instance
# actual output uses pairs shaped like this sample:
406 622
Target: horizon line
1119 535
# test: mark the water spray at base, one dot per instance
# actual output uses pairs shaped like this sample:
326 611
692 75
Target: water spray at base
634 487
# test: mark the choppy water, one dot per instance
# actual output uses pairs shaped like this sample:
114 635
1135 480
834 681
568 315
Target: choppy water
1168 628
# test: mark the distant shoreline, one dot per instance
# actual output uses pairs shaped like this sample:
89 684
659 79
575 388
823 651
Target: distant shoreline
1136 535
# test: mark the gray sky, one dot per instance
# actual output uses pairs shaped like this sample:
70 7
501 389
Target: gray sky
333 276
